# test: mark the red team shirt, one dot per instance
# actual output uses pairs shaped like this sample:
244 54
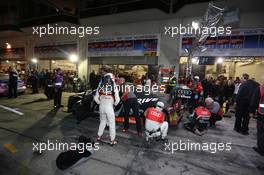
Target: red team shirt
155 115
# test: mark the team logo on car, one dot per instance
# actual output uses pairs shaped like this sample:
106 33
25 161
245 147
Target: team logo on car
146 100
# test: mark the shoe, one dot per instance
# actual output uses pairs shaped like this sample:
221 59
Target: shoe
164 140
114 142
258 151
237 130
124 130
197 132
245 133
99 139
212 125
140 134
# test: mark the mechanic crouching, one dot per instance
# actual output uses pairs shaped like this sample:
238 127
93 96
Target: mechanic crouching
155 125
106 97
215 109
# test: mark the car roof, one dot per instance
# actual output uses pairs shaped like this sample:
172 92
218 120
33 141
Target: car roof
4 76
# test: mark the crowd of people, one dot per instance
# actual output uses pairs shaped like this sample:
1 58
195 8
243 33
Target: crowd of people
51 82
38 79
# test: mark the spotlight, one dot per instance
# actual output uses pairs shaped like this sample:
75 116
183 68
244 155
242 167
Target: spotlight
195 60
73 58
195 25
8 46
220 60
34 60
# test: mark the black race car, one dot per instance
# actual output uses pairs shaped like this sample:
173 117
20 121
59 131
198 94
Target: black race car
82 105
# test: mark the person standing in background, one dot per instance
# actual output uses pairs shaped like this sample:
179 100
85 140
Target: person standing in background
34 81
92 80
237 85
41 76
12 83
244 95
58 83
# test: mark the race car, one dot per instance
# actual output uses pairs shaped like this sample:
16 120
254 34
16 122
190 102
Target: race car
82 105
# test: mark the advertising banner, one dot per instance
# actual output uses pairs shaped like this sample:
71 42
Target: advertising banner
241 42
55 51
141 45
12 54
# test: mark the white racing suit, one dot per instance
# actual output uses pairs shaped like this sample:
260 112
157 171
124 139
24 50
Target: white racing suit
106 103
155 124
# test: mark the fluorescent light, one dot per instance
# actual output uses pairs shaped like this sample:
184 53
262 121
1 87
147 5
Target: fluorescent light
194 60
34 60
195 25
203 48
8 46
220 60
73 58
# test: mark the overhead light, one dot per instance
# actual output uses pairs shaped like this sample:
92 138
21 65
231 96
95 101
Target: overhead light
73 58
195 25
220 60
7 61
34 60
18 62
195 60
8 46
203 48
53 61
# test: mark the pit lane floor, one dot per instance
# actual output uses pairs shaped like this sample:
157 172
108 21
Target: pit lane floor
130 157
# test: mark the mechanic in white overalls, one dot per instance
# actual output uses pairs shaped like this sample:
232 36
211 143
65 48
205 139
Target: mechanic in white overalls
106 97
155 122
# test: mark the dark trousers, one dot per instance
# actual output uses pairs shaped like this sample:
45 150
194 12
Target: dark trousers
12 90
34 87
242 117
132 104
57 96
214 118
49 92
260 133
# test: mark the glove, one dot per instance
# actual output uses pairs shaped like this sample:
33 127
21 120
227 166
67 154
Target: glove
116 103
